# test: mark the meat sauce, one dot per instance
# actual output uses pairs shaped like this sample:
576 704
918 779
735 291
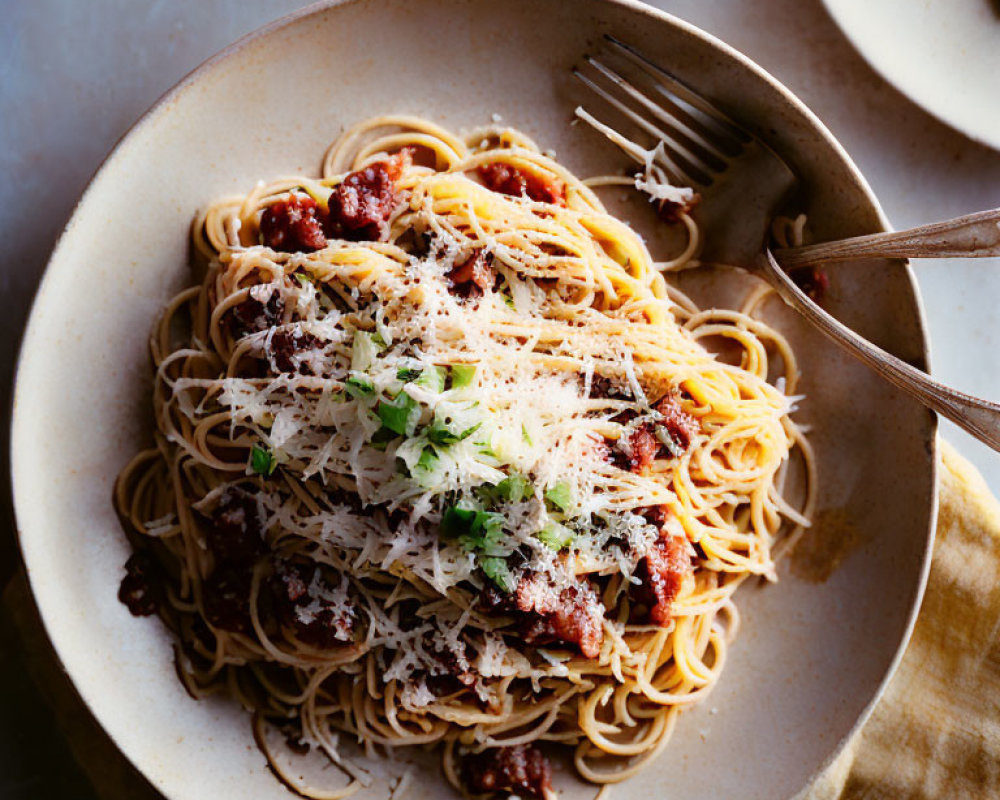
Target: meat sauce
287 348
660 575
546 615
141 589
670 435
813 281
670 211
253 316
299 592
522 769
509 180
358 210
471 278
294 225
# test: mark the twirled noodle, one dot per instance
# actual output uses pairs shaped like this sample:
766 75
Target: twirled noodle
323 410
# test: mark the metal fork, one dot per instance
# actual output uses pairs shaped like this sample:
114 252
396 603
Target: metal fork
742 182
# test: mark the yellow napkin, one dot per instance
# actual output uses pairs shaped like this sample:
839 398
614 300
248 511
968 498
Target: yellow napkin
935 733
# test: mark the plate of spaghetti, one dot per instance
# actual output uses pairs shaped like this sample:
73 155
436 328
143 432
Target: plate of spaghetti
412 459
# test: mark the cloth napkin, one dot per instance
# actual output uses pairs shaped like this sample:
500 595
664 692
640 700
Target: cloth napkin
935 733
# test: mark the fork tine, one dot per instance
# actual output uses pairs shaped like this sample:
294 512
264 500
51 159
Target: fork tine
677 172
663 115
704 111
636 152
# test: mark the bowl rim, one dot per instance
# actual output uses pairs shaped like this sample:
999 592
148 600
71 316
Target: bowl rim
192 78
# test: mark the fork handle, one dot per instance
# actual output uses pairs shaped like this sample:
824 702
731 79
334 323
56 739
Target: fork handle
970 236
981 418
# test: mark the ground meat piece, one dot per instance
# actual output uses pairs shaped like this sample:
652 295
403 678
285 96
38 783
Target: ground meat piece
253 316
285 349
507 179
681 426
573 615
306 602
545 615
642 448
667 436
473 276
608 389
236 532
451 676
660 574
141 589
521 769
654 515
294 225
670 210
361 204
813 281
225 598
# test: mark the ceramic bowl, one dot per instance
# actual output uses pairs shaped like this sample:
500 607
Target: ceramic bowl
815 649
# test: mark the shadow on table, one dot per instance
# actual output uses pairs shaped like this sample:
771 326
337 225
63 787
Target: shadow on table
50 744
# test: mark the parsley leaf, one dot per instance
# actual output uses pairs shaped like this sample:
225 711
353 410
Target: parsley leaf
433 379
428 460
515 488
462 375
399 415
496 570
440 434
555 535
560 496
358 385
262 461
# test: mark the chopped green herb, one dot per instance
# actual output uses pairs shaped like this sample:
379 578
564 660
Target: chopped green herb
428 460
303 277
555 536
262 461
457 521
515 488
475 530
433 379
364 350
526 436
560 496
496 569
400 414
407 374
508 300
462 375
359 386
440 434
382 437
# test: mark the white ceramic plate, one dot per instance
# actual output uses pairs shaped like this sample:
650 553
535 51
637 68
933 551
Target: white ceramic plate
815 649
943 54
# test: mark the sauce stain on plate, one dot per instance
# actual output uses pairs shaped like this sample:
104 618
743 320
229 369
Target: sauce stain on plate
825 546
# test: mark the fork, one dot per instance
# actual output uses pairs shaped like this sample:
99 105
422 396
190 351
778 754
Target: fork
743 182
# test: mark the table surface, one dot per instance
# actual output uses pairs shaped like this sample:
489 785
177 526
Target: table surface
75 75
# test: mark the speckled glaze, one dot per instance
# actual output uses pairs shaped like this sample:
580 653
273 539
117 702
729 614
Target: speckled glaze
814 650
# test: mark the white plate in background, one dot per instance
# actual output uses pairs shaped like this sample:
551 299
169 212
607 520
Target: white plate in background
943 54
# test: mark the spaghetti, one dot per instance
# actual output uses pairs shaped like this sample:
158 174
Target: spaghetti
441 459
